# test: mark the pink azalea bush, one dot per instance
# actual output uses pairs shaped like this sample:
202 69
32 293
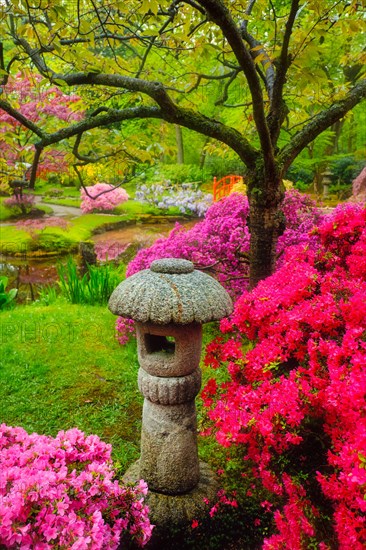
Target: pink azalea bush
61 493
220 243
295 352
102 197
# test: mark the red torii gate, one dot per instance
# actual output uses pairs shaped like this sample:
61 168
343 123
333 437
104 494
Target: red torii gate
224 186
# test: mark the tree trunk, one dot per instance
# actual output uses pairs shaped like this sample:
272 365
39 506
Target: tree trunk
203 153
36 158
180 148
266 224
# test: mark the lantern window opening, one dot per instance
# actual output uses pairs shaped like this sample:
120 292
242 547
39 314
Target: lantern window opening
159 344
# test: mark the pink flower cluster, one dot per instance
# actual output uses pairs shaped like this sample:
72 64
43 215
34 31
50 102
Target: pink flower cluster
102 197
295 350
293 521
220 243
36 99
124 329
60 493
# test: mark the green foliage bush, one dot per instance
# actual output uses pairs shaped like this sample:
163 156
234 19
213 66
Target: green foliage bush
5 212
6 298
345 169
184 173
302 177
52 243
178 173
220 167
94 287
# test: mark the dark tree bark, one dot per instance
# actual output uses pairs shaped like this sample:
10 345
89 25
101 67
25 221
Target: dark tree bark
35 164
266 223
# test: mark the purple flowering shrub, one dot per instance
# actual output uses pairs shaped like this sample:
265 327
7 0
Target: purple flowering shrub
61 493
185 197
220 243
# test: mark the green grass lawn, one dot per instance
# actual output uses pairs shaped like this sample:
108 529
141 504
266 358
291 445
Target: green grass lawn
68 201
61 367
49 188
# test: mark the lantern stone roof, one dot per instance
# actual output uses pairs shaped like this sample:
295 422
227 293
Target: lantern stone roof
171 291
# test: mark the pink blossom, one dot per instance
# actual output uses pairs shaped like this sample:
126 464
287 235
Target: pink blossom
61 492
102 197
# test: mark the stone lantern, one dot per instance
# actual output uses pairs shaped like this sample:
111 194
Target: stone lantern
170 302
326 181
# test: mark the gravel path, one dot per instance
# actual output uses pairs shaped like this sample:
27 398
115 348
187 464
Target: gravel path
60 210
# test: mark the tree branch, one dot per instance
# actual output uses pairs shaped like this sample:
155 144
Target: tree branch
225 93
253 43
321 122
89 123
219 13
278 110
178 115
170 19
168 111
4 78
5 106
92 159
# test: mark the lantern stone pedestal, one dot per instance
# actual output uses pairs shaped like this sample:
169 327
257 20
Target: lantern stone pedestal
170 302
172 512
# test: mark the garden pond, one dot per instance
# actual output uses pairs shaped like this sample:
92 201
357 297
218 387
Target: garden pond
30 273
